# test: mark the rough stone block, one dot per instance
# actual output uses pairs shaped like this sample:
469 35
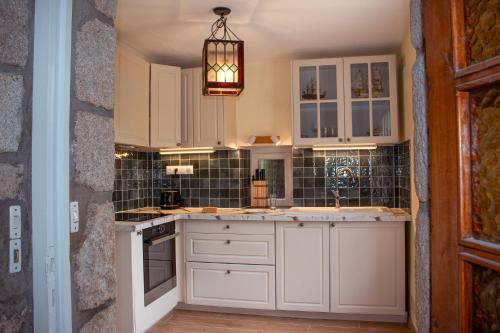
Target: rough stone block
416 24
13 314
422 269
95 63
104 321
93 151
11 107
95 278
421 150
14 31
11 178
107 7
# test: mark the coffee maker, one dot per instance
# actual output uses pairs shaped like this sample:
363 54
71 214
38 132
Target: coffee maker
170 199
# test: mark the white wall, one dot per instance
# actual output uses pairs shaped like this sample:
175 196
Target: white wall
407 59
264 107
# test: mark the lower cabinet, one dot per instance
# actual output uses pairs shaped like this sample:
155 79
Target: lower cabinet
368 268
302 266
230 285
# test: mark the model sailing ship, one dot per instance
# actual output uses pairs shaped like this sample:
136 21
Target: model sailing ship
377 84
309 91
359 86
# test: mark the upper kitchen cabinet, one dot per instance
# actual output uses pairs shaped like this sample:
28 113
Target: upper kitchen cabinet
131 99
318 101
148 102
165 106
345 100
371 102
207 121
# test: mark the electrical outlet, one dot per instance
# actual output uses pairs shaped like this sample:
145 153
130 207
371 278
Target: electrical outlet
15 222
179 170
15 256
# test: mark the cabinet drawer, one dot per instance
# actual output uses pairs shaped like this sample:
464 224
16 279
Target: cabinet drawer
230 227
238 286
230 248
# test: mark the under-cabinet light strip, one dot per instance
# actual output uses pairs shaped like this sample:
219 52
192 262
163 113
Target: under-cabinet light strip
370 146
204 150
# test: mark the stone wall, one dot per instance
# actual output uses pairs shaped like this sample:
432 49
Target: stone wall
92 163
421 171
16 72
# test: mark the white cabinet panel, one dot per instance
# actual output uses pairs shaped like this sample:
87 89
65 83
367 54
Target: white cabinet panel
230 248
165 106
230 227
131 99
238 286
208 113
368 268
371 99
302 266
208 121
186 108
318 101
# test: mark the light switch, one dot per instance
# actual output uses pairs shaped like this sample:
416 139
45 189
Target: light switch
74 216
15 256
15 221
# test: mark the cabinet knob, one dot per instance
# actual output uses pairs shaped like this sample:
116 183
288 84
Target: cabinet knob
227 226
348 139
301 224
228 242
228 272
218 142
340 139
332 225
178 144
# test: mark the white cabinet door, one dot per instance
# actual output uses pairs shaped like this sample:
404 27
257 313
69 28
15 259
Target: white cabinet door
371 101
230 248
302 266
230 285
187 108
165 106
208 115
368 268
131 99
318 101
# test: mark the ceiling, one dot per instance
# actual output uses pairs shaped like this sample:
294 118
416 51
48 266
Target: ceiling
172 31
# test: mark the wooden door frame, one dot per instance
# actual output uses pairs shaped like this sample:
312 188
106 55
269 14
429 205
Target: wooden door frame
443 163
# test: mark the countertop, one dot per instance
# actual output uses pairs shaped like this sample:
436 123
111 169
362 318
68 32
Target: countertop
267 215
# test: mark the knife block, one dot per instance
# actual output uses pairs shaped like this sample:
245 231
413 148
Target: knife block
259 194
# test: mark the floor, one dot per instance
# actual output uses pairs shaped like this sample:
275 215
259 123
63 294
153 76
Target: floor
182 321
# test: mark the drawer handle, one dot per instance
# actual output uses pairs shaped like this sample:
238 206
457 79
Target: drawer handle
227 226
228 272
332 225
301 224
228 242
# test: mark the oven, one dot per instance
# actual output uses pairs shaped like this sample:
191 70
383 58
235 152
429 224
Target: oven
159 261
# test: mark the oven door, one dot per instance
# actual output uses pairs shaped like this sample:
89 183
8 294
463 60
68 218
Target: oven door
159 266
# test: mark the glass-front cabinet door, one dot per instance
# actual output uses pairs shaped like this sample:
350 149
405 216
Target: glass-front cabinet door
370 99
318 101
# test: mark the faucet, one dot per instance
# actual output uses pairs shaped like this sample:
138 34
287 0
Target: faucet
336 193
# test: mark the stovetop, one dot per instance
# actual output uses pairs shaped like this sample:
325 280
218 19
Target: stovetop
137 217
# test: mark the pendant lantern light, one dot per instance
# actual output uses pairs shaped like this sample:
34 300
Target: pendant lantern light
222 59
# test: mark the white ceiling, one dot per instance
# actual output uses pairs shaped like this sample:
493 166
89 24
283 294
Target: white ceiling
172 31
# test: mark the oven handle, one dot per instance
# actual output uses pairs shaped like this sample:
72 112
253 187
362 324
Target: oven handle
161 239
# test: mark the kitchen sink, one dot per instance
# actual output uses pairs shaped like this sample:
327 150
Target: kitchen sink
342 210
